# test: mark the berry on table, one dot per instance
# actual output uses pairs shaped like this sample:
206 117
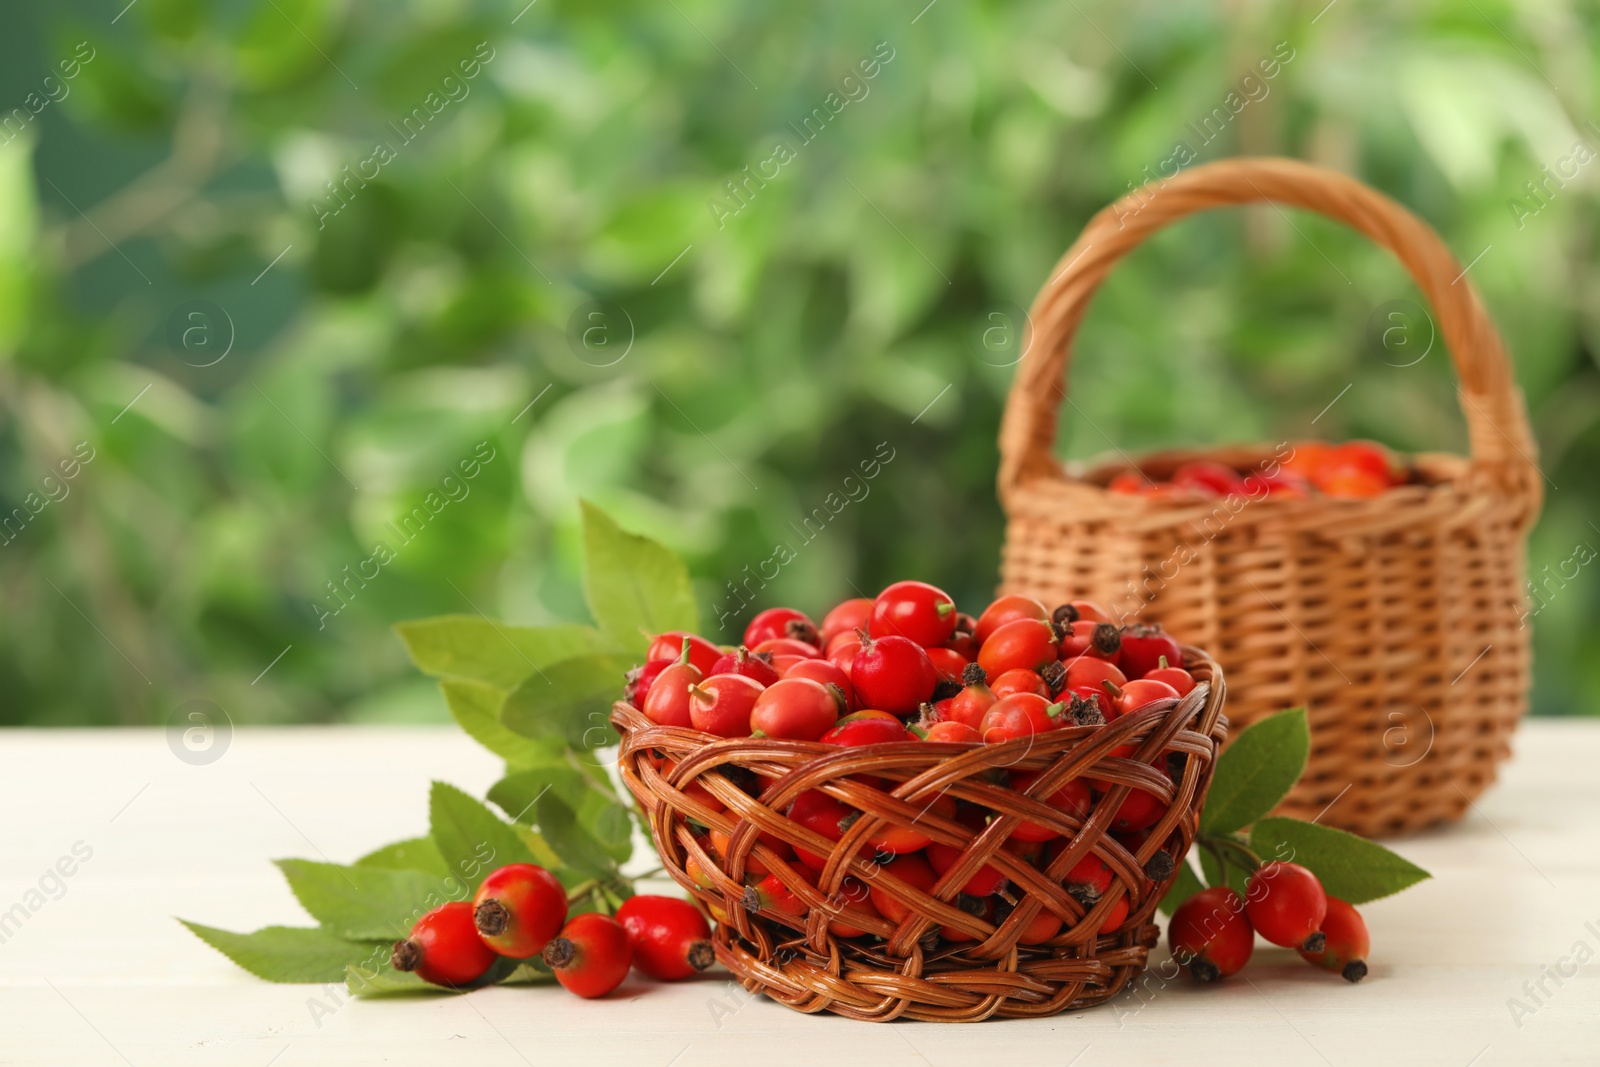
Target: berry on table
591 956
444 947
1210 935
518 909
1346 942
1286 905
670 937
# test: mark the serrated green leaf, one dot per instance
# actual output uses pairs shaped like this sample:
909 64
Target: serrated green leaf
384 982
1350 867
471 838
475 706
367 903
1256 771
490 652
591 797
1184 886
412 854
568 703
633 585
578 848
289 953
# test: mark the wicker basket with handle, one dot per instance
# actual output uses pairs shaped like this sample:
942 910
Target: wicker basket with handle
693 785
1395 620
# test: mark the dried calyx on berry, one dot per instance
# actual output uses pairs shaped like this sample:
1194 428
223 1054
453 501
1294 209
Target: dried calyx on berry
1065 615
1083 711
972 674
1159 867
1055 677
801 630
1106 639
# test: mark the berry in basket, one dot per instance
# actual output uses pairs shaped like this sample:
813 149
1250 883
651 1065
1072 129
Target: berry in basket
1354 470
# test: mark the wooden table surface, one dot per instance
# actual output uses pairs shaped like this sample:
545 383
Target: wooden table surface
95 969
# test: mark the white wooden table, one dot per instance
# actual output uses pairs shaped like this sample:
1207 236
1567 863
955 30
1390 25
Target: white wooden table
101 973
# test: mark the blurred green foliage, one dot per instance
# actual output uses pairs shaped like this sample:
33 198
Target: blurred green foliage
438 301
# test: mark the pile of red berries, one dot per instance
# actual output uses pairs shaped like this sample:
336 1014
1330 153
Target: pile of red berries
1352 470
520 912
906 666
1213 932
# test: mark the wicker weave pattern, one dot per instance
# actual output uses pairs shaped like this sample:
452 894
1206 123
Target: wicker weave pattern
1375 614
909 973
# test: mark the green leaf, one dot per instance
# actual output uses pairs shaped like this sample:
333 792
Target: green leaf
577 847
1350 867
1237 876
367 903
412 854
288 953
568 703
589 795
493 653
472 839
1256 771
634 585
385 981
1184 886
476 708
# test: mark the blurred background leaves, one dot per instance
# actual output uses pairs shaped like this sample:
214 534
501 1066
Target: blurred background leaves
750 351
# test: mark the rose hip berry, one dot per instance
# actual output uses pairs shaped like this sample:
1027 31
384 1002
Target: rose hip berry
1347 942
1019 715
1073 798
867 727
638 681
1286 905
1098 640
591 956
1086 672
824 672
1025 644
1177 677
670 938
518 909
781 622
1140 694
973 702
847 618
669 646
444 947
668 701
795 709
947 663
1007 609
1210 934
916 611
722 704
1020 681
892 674
752 665
1144 647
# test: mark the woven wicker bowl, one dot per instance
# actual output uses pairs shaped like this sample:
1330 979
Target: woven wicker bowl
1397 621
905 969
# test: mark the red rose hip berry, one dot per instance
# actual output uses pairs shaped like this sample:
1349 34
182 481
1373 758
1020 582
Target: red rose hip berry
848 617
796 709
1144 648
669 646
1346 942
892 674
722 704
1286 905
1007 609
518 909
591 956
751 665
670 938
1209 934
444 947
1025 644
916 611
781 622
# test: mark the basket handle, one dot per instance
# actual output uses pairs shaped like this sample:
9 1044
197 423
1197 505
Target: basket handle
1501 440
